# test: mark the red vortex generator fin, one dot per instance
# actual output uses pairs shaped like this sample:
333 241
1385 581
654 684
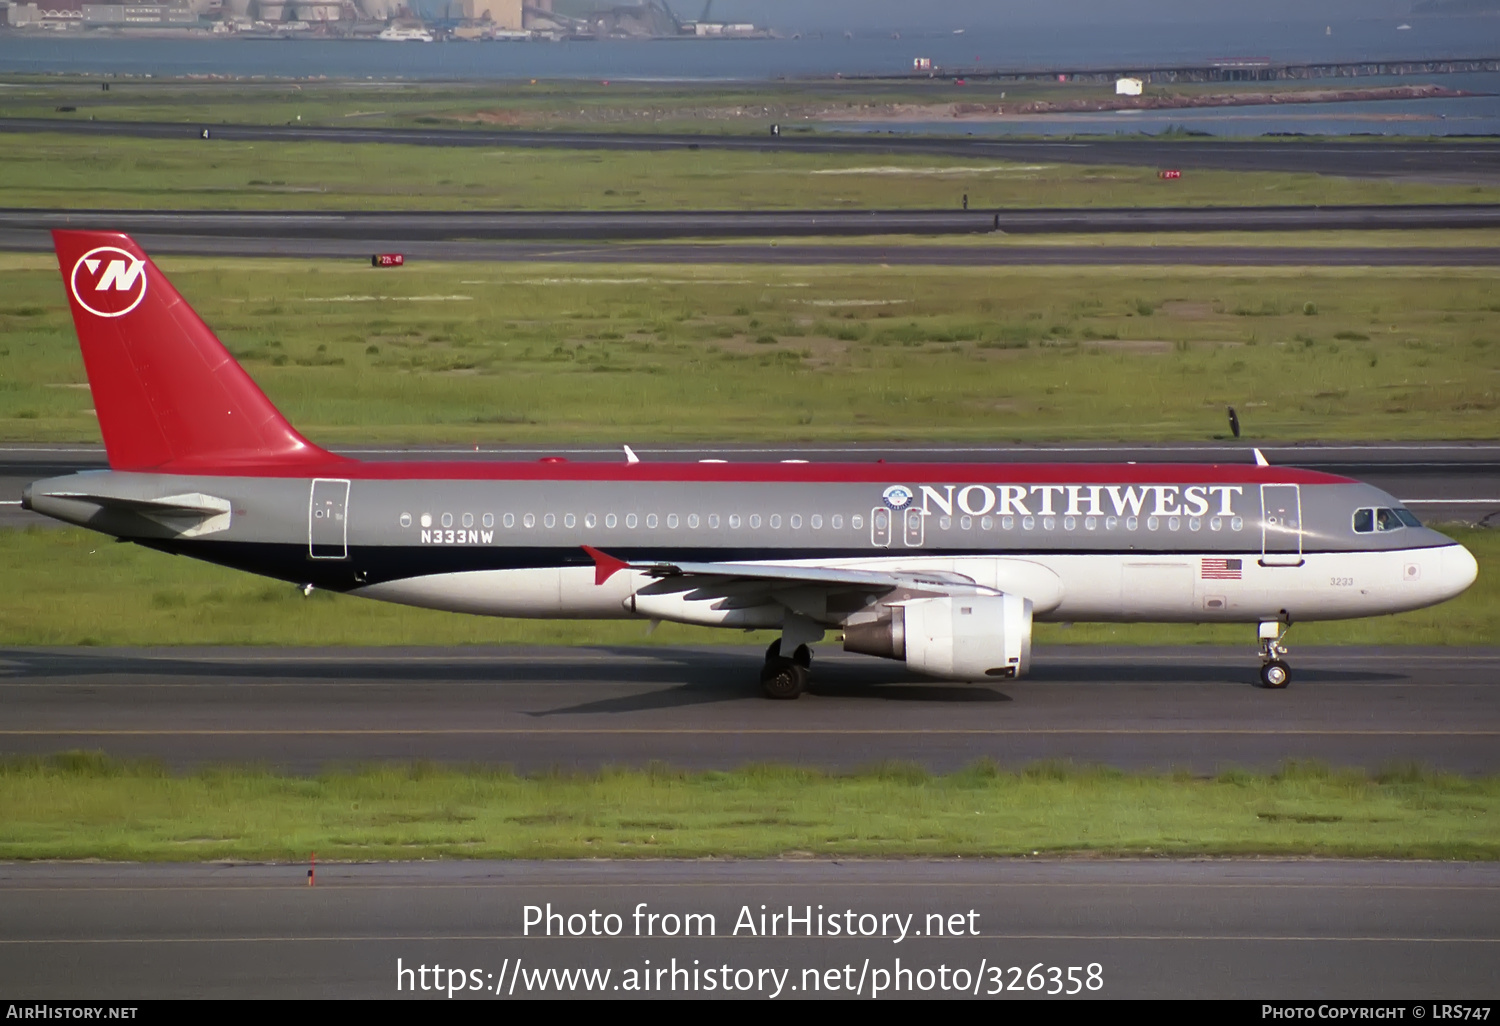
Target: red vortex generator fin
605 565
168 394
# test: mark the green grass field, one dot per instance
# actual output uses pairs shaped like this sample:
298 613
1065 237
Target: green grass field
490 353
50 170
745 107
86 807
74 587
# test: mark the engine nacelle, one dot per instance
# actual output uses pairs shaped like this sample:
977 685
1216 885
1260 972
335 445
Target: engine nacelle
978 637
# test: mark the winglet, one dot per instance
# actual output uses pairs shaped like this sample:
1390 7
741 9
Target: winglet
1260 459
605 565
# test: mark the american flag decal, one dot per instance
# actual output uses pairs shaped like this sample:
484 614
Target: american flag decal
1215 569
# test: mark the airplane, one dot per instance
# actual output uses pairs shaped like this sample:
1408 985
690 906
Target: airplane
943 566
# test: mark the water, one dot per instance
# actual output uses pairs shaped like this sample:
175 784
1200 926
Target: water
1106 46
824 56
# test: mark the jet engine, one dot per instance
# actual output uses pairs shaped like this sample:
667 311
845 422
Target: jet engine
975 637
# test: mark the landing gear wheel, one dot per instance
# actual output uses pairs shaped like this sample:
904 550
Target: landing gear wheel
781 678
1275 675
802 656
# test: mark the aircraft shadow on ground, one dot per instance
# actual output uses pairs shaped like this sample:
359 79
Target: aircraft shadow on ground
688 676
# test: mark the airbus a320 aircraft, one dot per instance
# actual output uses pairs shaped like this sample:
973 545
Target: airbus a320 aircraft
943 566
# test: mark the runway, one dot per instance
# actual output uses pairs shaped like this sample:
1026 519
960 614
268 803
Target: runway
801 255
512 225
1444 482
1263 930
701 708
1476 161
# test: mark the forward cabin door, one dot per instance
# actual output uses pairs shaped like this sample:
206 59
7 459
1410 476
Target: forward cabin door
328 520
1281 525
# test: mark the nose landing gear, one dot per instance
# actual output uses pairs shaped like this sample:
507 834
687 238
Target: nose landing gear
785 677
1274 671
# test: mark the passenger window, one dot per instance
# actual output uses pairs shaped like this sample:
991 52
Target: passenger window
672 520
1364 521
692 520
589 520
610 520
1408 518
570 520
795 520
529 520
856 522
510 520
650 519
837 522
815 522
550 520
630 520
945 522
489 520
734 520
754 519
1386 520
468 520
776 520
713 520
447 519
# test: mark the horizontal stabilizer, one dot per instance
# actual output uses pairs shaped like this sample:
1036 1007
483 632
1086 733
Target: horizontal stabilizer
189 515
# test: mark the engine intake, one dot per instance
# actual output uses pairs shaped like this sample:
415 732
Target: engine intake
977 637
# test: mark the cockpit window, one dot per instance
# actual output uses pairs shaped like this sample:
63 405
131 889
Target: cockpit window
1382 519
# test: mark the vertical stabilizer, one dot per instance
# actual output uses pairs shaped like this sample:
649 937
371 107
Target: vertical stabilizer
168 394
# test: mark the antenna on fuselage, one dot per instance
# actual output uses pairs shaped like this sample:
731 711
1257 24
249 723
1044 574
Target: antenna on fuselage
1260 458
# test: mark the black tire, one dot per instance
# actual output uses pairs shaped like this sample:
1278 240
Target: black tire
802 656
783 679
1275 675
773 651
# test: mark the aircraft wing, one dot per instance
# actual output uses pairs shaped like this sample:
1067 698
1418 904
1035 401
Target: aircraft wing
702 575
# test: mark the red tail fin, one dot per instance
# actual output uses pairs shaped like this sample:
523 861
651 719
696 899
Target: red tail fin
167 392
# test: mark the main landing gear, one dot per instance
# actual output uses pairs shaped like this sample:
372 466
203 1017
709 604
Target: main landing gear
1274 671
786 676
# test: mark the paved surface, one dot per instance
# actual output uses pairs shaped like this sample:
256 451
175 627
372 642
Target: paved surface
534 708
36 241
419 225
1466 161
1216 929
1445 482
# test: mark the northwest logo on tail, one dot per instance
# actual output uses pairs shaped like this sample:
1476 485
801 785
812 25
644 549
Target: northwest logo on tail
108 282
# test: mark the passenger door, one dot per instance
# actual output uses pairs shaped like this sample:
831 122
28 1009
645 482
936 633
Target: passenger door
1280 525
328 520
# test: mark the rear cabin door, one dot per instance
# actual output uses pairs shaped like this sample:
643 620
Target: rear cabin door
328 520
1281 525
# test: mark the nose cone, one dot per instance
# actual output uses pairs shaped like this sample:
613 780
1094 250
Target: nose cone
1460 569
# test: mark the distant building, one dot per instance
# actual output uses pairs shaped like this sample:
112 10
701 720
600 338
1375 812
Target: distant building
1128 87
138 14
502 14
